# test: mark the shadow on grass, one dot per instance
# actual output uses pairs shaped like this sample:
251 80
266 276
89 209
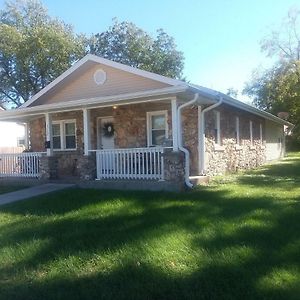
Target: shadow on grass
285 174
250 245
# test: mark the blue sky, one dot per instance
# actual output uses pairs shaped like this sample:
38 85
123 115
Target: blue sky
219 38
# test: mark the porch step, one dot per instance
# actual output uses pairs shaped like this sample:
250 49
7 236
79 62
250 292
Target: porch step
199 180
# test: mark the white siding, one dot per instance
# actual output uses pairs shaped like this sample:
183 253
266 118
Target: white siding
275 147
82 85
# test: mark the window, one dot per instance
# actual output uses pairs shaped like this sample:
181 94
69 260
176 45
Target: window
157 126
237 130
217 127
261 133
251 133
64 135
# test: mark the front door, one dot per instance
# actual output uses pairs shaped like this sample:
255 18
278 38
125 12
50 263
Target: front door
105 131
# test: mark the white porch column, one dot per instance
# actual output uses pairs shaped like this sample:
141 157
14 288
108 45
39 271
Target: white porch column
49 142
86 131
26 129
174 124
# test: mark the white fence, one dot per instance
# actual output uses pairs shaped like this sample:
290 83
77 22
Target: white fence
135 163
20 164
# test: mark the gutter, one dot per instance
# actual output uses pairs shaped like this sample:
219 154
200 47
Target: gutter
202 133
180 146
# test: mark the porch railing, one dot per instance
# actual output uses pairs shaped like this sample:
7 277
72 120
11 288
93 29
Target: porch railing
134 163
20 164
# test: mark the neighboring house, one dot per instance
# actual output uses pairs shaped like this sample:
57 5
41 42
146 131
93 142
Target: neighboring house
105 120
12 135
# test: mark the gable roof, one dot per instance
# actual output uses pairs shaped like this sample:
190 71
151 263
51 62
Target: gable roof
175 87
106 62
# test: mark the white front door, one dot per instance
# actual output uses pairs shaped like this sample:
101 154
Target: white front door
105 130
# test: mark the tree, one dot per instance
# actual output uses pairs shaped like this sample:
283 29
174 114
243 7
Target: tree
34 50
232 92
126 43
277 89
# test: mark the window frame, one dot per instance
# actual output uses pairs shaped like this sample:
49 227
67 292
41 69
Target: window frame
251 132
217 127
62 131
237 130
150 114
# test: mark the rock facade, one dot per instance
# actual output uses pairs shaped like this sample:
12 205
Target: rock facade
232 155
174 167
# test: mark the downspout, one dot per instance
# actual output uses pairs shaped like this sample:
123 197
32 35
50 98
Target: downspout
180 146
202 133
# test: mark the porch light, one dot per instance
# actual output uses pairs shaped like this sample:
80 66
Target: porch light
115 107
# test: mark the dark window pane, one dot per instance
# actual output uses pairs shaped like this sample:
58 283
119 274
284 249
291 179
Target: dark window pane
158 137
158 122
56 142
70 142
70 128
56 129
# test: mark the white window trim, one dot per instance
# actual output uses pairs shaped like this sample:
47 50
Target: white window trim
237 131
63 135
217 145
149 127
251 134
261 133
218 141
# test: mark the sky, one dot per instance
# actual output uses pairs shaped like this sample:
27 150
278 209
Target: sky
220 39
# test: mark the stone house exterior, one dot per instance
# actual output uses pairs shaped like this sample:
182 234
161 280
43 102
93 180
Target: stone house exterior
107 121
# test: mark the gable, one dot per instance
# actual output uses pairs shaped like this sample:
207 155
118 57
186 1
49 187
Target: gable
81 85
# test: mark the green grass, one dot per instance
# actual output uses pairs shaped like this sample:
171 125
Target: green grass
238 238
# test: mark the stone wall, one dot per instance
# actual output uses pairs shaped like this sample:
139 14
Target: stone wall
131 123
190 136
231 155
174 167
37 135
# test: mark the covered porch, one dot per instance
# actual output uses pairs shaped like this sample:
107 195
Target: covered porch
134 141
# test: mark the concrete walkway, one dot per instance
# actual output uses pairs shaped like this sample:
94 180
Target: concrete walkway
32 192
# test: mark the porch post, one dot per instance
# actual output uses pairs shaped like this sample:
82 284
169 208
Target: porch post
86 131
49 143
174 124
26 128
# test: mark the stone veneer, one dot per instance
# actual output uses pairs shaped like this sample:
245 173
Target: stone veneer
131 131
130 122
231 156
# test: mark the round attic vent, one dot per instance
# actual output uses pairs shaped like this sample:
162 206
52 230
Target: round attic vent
99 77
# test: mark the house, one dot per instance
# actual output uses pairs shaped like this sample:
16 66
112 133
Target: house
12 135
108 121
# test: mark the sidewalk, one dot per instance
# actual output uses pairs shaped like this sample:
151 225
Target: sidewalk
32 192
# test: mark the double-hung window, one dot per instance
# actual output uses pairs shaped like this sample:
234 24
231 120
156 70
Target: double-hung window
157 127
64 135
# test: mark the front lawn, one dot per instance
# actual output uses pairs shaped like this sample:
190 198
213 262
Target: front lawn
236 239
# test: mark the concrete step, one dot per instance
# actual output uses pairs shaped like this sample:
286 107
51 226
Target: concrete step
199 180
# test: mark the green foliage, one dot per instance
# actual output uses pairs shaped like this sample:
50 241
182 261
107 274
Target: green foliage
278 89
238 239
126 43
34 50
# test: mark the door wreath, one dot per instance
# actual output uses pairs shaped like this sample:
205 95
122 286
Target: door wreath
108 129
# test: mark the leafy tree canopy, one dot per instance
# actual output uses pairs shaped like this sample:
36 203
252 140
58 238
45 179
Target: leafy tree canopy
34 50
277 89
126 43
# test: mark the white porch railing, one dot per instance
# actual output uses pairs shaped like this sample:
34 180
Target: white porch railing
20 164
134 163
